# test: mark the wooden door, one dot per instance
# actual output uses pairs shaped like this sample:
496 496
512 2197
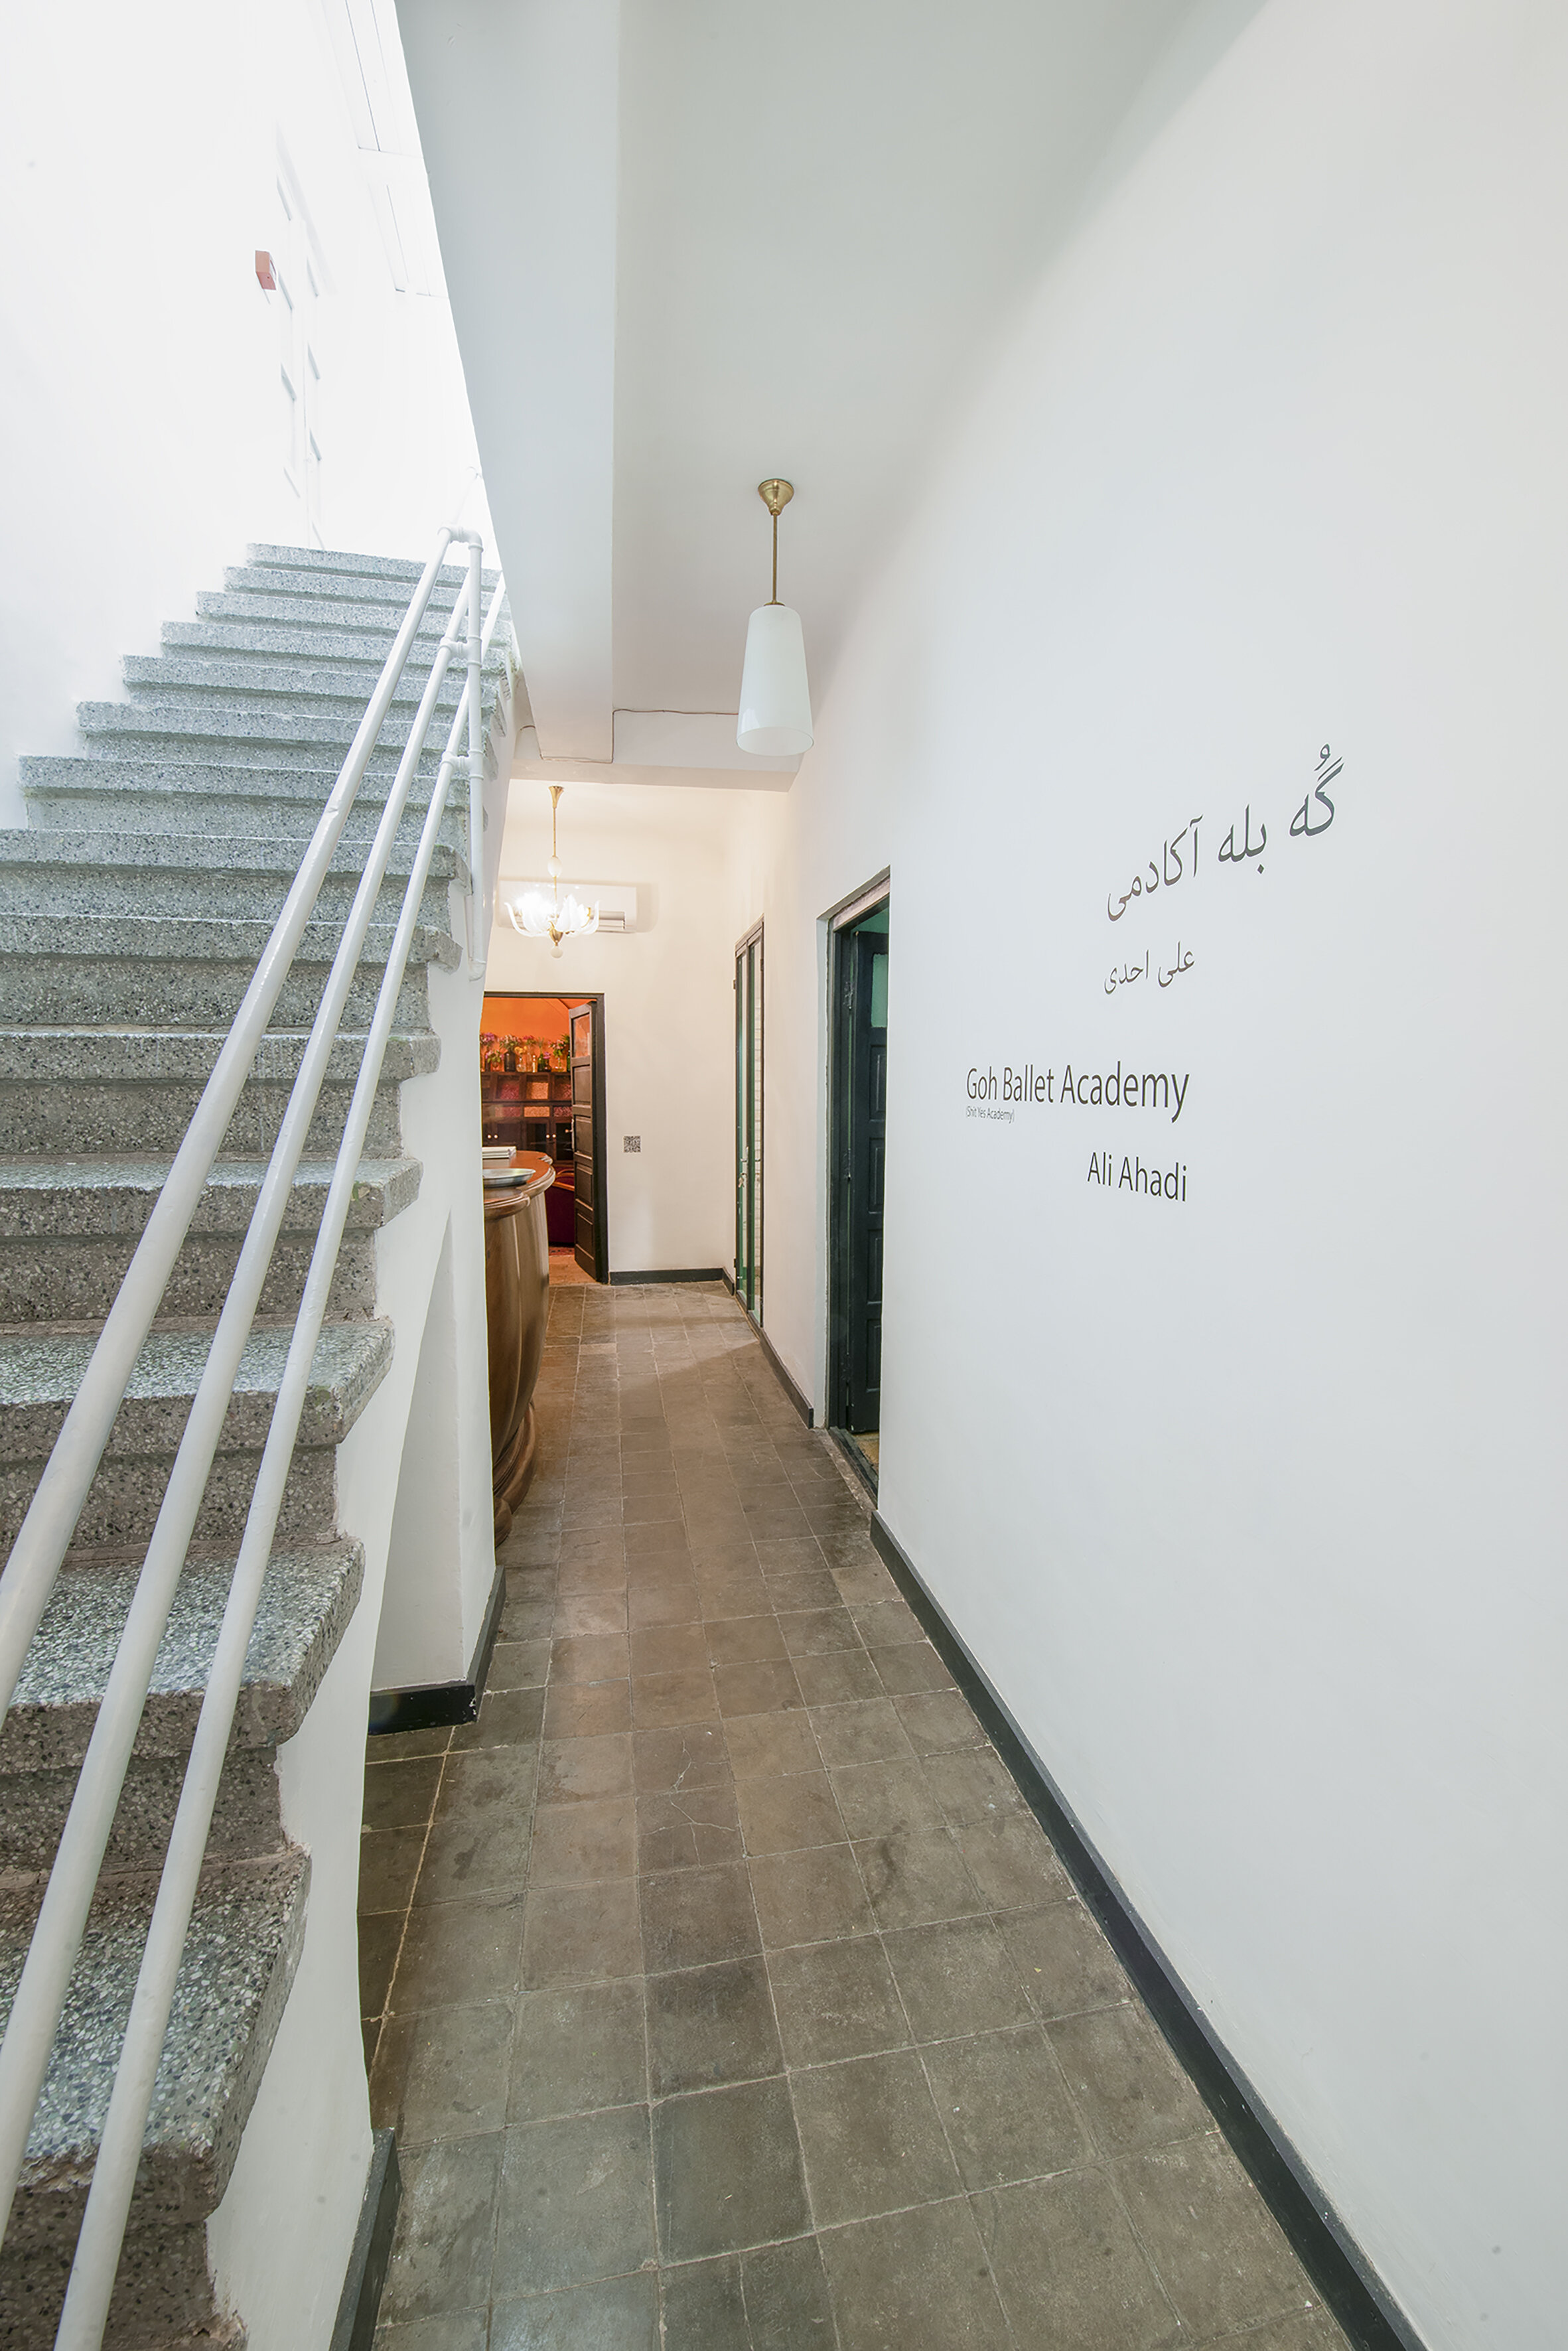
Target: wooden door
867 1172
591 1239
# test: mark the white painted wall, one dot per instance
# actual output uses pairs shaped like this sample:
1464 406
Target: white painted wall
668 999
139 397
1251 1505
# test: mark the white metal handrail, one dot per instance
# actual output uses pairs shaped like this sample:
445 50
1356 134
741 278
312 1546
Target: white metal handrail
36 2010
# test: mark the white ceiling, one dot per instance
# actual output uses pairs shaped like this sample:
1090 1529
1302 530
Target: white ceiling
693 243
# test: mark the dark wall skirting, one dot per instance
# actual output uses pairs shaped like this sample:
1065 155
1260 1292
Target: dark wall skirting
371 2253
674 1273
1328 2253
782 1376
433 1706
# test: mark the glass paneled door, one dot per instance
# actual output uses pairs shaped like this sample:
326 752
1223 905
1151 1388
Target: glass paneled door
748 1124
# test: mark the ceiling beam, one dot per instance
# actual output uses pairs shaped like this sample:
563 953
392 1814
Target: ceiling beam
518 103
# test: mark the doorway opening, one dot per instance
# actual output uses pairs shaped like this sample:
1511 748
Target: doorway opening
857 1151
541 1087
748 1124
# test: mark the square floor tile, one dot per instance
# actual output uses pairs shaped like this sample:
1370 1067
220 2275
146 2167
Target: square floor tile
836 2000
578 2049
692 1829
401 1795
441 2073
767 1746
669 1650
616 2314
1065 1962
916 2281
690 1755
575 1843
788 1815
379 1940
587 1709
662 1603
912 1879
837 1677
694 1918
818 1632
914 1666
1127 2085
1069 2269
871 2137
458 1954
973 1786
580 1770
786 2298
743 1640
705 2307
581 1934
660 1702
590 1657
581 1613
956 1977
389 1863
709 2026
1217 2249
574 2203
866 1730
446 2230
886 1798
499 1782
809 1897
1004 2107
506 1718
1011 1859
764 1687
726 2166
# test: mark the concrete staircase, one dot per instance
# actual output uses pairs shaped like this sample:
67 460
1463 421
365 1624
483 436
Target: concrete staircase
131 913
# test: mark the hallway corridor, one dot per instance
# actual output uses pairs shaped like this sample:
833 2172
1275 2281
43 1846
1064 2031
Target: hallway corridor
720 1987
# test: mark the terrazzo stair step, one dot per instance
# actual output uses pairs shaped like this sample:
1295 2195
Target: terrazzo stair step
169 716
75 1092
247 1930
307 1601
222 637
337 689
394 575
351 565
325 645
69 1227
128 805
187 971
40 1372
269 601
95 873
90 794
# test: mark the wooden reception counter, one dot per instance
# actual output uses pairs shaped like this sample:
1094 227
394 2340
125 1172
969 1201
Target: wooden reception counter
517 1305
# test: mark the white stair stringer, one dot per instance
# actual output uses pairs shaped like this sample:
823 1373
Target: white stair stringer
176 828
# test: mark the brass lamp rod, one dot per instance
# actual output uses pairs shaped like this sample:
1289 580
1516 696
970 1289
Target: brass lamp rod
775 496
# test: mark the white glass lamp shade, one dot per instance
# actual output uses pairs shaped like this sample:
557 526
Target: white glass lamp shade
775 700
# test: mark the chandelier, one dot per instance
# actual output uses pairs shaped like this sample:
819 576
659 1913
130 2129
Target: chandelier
554 918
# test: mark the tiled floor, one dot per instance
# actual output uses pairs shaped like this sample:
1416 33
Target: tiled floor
731 2000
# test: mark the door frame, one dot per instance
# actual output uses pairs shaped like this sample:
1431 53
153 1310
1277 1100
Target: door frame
594 999
837 921
753 939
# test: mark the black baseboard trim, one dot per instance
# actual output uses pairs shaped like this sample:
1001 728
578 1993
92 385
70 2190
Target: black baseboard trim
435 1706
776 1366
671 1273
1327 2251
727 1280
367 2270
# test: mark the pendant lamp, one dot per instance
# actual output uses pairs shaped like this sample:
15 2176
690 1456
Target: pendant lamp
775 719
